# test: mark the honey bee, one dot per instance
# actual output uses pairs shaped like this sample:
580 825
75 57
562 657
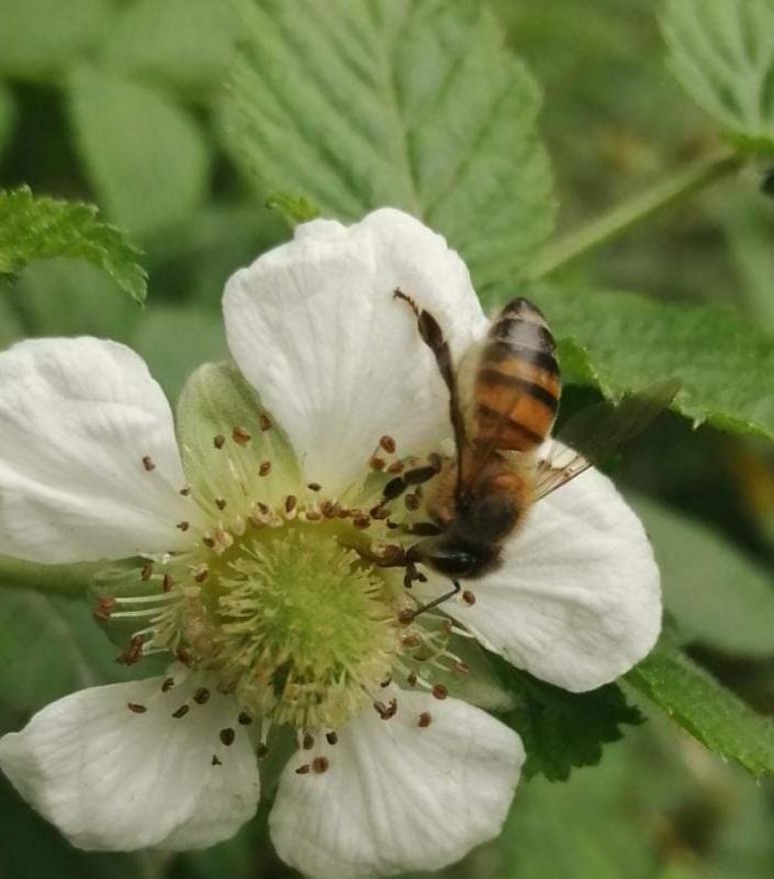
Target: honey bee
503 402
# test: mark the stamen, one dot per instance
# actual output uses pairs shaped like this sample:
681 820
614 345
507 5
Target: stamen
304 769
148 464
184 526
468 597
104 608
264 421
320 765
216 761
425 719
440 691
201 696
185 491
265 468
307 742
136 708
331 737
167 685
219 441
146 572
181 711
220 503
244 719
377 463
227 736
388 444
167 583
240 436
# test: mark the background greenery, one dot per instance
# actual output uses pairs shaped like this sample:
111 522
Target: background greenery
178 118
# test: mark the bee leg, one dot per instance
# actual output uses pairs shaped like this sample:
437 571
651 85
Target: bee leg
392 556
409 616
424 529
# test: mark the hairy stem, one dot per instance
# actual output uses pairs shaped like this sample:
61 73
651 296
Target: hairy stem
616 221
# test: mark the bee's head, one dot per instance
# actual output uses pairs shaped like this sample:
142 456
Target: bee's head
454 556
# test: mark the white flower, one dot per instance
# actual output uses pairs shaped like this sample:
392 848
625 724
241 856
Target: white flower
254 530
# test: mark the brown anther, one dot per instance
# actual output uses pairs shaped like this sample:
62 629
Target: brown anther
216 761
265 468
181 711
411 679
308 742
313 486
219 441
392 525
147 463
411 641
440 691
201 572
133 652
201 696
220 503
184 526
264 421
320 765
328 509
208 541
167 685
185 491
331 738
461 667
343 512
412 502
227 736
377 463
361 521
422 578
468 597
240 436
386 712
406 617
263 509
103 608
396 468
378 512
262 751
388 444
425 719
386 682
290 503
313 515
147 571
244 719
183 655
304 769
136 707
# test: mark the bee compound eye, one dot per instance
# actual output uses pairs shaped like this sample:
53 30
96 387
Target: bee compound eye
454 563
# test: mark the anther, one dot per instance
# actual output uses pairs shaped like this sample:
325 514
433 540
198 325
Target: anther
411 679
181 711
227 736
313 486
425 719
386 712
220 503
201 695
461 667
361 521
103 608
304 769
410 641
393 489
240 436
265 468
378 512
308 742
208 541
396 468
262 751
264 421
320 765
136 707
331 738
406 617
219 441
412 502
167 685
313 515
468 597
290 503
201 572
388 444
185 491
147 463
184 526
184 656
133 652
377 463
146 572
386 682
436 461
440 691
244 719
419 475
216 761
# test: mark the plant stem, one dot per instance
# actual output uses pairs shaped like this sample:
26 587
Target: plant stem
616 221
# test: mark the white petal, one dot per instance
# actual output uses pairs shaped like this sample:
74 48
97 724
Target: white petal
397 797
314 327
113 779
578 599
77 417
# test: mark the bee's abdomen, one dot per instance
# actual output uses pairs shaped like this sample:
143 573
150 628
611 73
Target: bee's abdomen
517 384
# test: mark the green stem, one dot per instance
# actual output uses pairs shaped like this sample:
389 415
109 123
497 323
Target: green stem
619 219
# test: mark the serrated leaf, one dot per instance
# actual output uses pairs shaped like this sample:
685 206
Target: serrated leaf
39 37
711 713
722 52
186 43
144 154
717 595
363 103
623 342
563 730
41 228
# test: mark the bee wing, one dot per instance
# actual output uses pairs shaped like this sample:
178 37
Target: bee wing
594 433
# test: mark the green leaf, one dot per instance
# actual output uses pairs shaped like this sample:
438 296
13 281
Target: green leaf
7 116
623 342
186 43
294 209
39 37
562 730
173 341
362 103
723 54
145 155
706 709
717 594
41 228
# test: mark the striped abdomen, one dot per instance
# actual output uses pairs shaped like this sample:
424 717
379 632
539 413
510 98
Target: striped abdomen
517 385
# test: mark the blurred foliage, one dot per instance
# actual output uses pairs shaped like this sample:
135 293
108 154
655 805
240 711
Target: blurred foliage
121 103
